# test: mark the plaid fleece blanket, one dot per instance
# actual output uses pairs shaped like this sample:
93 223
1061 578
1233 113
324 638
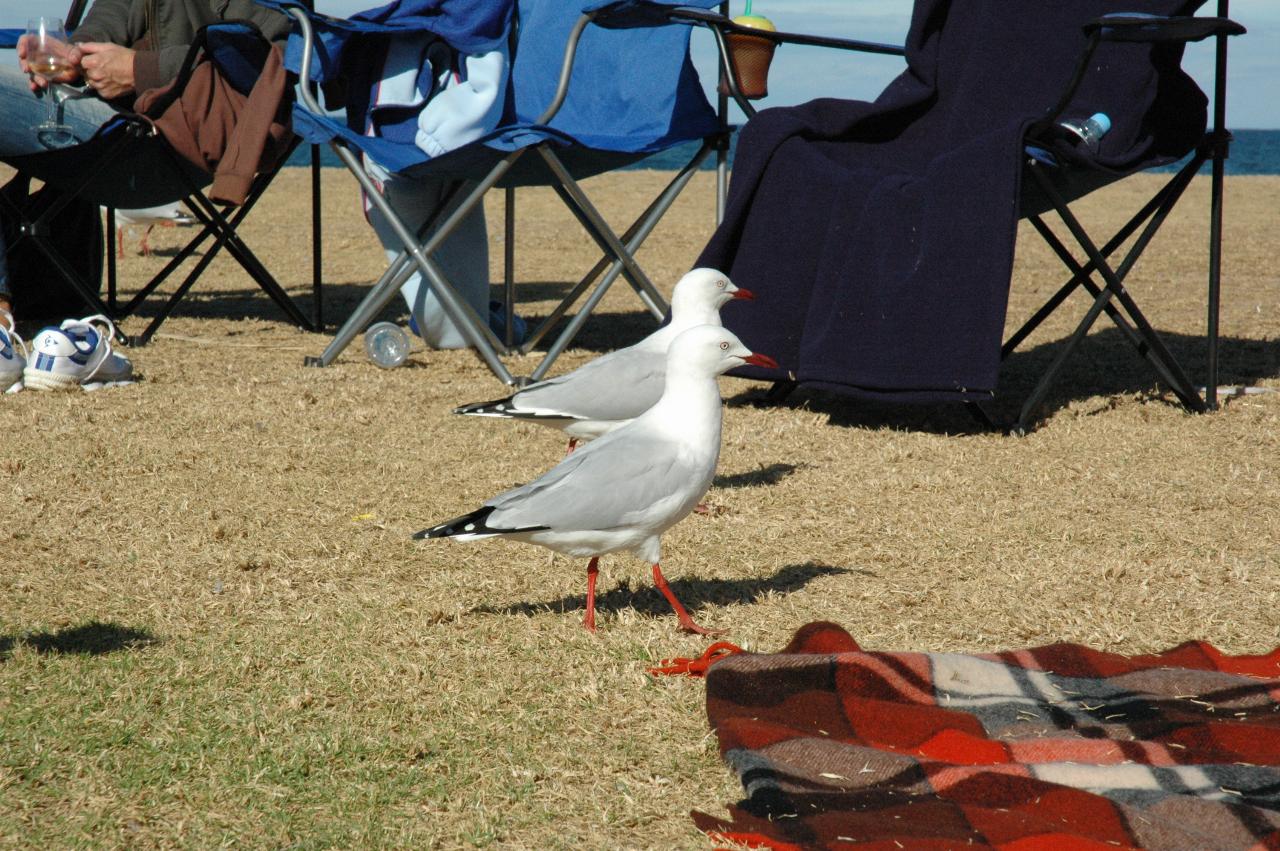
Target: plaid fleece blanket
1048 747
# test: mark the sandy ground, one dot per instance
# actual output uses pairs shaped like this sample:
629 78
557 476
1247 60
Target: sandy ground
214 627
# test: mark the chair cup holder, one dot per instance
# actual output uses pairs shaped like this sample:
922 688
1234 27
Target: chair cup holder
751 56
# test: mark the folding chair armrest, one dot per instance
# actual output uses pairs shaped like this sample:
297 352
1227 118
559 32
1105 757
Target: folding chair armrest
307 84
1133 28
726 25
315 28
622 13
1151 29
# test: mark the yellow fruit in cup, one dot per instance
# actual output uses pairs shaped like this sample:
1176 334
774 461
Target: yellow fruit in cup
758 22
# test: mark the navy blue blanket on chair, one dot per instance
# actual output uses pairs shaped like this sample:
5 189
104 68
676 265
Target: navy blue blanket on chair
879 237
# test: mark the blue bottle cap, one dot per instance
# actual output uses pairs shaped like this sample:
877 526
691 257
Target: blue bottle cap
1101 119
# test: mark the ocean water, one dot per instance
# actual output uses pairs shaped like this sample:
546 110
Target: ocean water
1252 152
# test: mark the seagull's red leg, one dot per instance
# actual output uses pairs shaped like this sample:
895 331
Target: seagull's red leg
146 246
120 241
589 619
573 444
686 622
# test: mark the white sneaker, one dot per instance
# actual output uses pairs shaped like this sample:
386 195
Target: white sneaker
11 360
76 354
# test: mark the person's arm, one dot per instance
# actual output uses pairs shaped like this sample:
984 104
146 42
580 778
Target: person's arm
154 68
108 21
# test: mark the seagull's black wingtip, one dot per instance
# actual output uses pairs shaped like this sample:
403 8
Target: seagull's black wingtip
466 524
495 408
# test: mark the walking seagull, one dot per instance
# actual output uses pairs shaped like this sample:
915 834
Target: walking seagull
621 385
621 492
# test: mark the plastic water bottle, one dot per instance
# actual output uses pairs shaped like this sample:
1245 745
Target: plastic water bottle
1090 131
386 344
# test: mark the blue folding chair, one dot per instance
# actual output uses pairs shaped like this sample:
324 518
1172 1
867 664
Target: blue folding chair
103 170
581 100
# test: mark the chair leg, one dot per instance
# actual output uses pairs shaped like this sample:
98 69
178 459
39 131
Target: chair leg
779 391
1026 416
1082 280
508 265
474 328
110 215
248 261
222 228
603 235
317 244
632 239
34 221
170 303
1215 262
1141 334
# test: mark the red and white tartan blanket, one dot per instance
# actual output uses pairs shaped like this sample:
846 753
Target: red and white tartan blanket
1049 747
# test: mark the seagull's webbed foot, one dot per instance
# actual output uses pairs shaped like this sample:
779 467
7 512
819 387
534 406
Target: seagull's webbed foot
686 623
593 569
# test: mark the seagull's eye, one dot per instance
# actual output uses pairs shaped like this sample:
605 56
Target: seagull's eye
721 284
724 345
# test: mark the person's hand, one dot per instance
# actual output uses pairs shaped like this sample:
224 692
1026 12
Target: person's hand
73 56
108 68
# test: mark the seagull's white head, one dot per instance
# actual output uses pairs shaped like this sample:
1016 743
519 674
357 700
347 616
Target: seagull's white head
711 350
699 295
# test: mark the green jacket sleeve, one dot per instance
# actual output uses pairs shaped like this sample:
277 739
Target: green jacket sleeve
110 20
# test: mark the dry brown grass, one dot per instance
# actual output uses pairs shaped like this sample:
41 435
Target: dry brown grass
214 628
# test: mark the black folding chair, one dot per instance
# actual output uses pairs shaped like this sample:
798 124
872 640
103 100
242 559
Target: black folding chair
1134 325
1054 175
129 144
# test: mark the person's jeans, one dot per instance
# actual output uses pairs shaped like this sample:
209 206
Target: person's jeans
21 111
464 257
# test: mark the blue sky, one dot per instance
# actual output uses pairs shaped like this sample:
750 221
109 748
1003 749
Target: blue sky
799 74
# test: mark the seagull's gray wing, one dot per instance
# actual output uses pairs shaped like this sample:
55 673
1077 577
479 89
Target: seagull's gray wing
604 485
621 385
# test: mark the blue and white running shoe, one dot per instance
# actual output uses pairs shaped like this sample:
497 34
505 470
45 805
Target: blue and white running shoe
12 360
75 354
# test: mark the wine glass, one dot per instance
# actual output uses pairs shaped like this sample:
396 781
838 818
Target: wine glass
48 55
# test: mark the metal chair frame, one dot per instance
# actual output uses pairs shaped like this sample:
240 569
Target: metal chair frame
618 252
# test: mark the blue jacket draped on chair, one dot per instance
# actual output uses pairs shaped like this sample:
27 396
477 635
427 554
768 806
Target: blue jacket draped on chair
633 91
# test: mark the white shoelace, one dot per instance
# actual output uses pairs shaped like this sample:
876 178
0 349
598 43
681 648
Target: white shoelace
105 339
15 339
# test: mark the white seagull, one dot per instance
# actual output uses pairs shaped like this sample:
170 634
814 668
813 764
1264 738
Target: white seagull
617 387
166 215
621 492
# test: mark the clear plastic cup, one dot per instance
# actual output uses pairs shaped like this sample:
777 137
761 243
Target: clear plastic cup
386 344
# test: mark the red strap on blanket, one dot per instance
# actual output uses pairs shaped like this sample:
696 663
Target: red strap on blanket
695 667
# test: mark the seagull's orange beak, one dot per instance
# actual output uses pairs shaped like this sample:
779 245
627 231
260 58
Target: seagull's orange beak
746 294
757 359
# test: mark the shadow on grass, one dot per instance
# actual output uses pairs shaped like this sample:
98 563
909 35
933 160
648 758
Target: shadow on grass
603 332
1105 364
94 638
763 477
695 594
